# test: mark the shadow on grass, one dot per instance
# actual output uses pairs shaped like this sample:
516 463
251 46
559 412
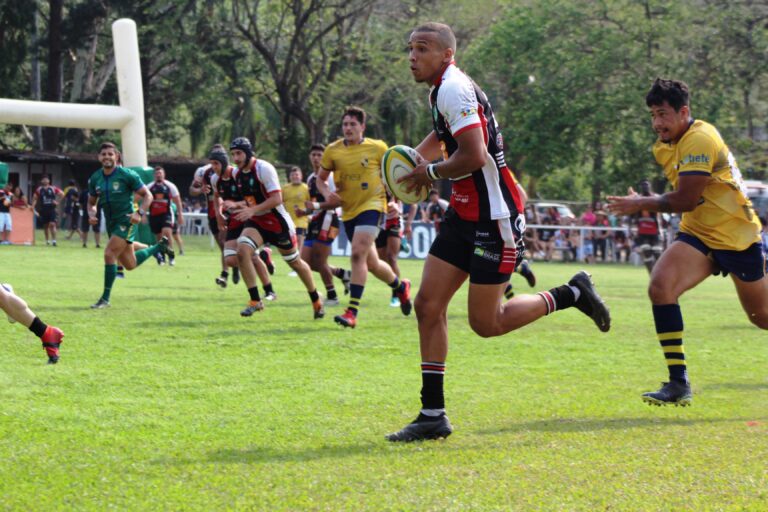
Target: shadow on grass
592 424
741 386
270 454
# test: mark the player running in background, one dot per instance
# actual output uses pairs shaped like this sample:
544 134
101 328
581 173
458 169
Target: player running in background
390 239
295 195
355 160
201 184
719 230
18 311
265 221
113 187
481 237
161 219
648 239
322 229
48 196
225 191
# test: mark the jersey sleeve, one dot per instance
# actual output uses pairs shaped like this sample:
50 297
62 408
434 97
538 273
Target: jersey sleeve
199 173
267 175
174 189
134 181
36 193
331 183
327 161
457 101
214 179
698 154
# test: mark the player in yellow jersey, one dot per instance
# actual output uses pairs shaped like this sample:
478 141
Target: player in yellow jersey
719 230
295 195
354 161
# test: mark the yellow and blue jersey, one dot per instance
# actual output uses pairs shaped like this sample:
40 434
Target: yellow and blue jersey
357 174
724 218
295 196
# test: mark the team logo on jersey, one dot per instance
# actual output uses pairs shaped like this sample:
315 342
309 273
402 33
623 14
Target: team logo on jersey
694 159
500 142
115 186
364 162
364 186
467 111
487 255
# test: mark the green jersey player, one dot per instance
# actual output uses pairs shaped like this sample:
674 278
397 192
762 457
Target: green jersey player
113 188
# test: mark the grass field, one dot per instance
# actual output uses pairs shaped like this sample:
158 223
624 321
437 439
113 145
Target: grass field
170 401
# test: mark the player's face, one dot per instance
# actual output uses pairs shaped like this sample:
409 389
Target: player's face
295 177
238 156
669 124
352 129
108 158
216 166
45 182
315 157
159 175
427 57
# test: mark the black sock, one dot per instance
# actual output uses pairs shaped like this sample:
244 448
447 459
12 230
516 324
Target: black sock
254 293
224 274
268 289
38 327
558 298
314 296
338 272
330 292
432 399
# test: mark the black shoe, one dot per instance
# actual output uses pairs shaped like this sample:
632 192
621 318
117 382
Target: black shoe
674 392
590 303
235 275
164 249
221 281
346 279
527 273
100 304
253 307
423 428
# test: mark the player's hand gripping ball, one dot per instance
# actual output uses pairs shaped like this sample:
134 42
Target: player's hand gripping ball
397 162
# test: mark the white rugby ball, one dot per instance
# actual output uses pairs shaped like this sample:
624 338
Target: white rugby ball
9 289
400 161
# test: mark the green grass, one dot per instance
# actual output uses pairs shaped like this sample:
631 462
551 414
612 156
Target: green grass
170 401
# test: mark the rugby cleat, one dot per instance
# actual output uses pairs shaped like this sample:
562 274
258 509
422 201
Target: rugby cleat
404 295
165 249
347 319
527 273
266 256
270 296
52 338
235 275
221 281
394 302
331 302
100 304
673 393
590 303
317 307
253 307
423 428
120 272
346 279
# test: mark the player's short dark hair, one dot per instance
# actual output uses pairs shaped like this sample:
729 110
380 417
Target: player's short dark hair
444 33
108 145
355 112
294 168
159 168
317 147
674 92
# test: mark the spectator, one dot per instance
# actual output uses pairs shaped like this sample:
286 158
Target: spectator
621 245
600 237
436 207
71 208
546 239
19 200
6 199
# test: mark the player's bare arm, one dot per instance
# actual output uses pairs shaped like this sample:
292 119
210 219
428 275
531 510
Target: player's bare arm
92 219
179 208
217 205
470 155
683 199
325 190
274 200
146 202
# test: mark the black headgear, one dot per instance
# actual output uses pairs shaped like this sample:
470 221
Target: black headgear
220 156
244 145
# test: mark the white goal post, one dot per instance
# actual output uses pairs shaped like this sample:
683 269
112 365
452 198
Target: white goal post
128 117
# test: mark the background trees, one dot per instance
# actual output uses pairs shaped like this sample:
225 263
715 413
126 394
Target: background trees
567 78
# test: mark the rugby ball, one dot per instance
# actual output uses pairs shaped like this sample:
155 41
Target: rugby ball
9 289
400 161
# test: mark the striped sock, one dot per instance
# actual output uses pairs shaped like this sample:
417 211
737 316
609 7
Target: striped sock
559 298
669 330
432 399
355 295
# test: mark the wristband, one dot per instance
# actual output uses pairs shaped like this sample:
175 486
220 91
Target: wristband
432 172
140 212
316 205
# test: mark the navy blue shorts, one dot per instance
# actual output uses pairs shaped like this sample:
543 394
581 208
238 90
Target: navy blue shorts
369 218
747 265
